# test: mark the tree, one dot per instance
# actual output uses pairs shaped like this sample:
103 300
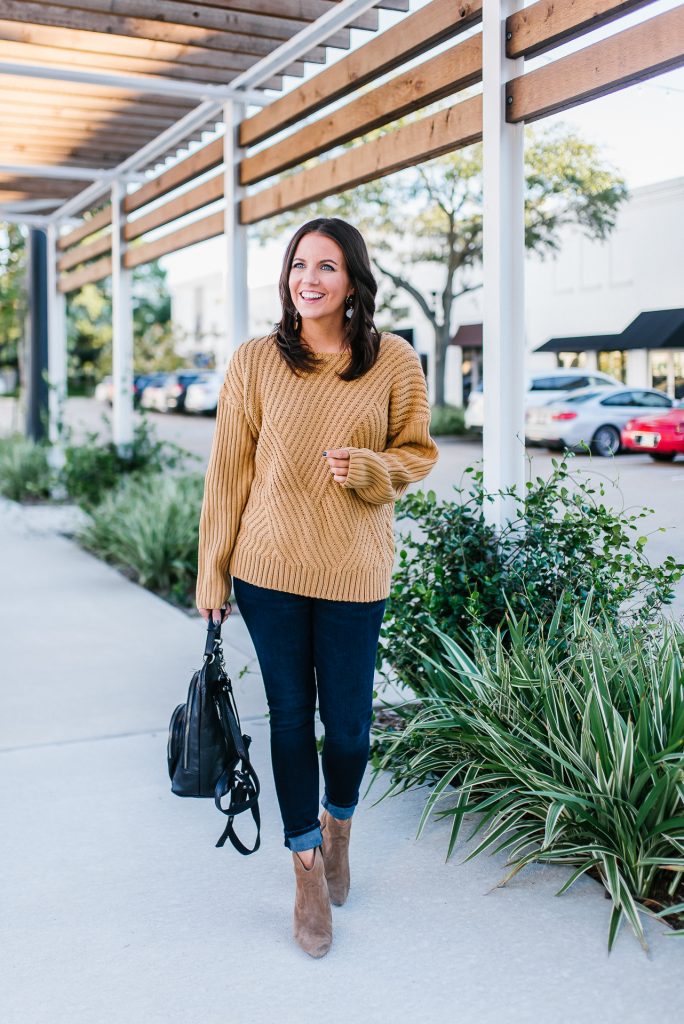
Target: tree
12 292
89 317
567 182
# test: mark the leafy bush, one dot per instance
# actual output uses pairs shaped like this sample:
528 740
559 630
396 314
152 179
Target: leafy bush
569 744
447 419
561 544
25 472
94 467
148 528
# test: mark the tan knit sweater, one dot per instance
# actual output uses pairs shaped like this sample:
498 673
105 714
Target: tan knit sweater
272 513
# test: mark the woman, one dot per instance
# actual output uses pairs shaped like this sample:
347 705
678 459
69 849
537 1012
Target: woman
321 425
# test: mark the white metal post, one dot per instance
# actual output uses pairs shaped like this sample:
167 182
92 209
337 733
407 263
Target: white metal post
57 348
503 265
235 237
122 328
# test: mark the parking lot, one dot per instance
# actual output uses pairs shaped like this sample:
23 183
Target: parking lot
632 480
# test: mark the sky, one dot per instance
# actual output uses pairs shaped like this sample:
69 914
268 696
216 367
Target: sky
639 129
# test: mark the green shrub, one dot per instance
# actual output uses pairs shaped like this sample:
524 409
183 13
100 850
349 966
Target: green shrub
25 473
568 743
447 419
561 544
94 467
148 528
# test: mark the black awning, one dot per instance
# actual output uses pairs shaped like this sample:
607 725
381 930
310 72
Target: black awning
657 328
583 343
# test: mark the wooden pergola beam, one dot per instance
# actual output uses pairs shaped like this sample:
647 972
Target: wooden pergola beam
86 275
106 131
449 129
32 12
81 253
433 24
212 17
191 68
77 94
543 25
194 199
204 159
37 113
191 234
630 56
99 220
440 76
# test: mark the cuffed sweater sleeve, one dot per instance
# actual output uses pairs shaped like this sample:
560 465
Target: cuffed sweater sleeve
226 488
382 477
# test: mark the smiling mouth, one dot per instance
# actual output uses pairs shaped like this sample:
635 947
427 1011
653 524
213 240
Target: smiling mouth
311 296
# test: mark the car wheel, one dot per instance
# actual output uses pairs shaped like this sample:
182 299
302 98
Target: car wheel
606 441
662 456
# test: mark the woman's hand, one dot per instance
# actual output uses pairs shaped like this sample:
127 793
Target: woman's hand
215 613
338 460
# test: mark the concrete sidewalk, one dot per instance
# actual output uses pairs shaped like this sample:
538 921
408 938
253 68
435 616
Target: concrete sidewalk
118 909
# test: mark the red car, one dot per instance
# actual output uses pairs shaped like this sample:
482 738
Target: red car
662 437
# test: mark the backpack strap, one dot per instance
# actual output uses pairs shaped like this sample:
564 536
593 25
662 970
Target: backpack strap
243 785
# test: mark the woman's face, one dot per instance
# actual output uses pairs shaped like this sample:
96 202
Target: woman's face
319 282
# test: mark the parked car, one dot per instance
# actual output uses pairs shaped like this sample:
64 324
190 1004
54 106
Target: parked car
591 417
104 391
202 394
662 437
154 393
176 389
540 388
143 380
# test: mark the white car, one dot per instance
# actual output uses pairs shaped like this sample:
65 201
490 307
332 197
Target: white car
592 417
202 395
541 388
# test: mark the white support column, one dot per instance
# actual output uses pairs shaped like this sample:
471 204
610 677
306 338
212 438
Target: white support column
57 348
503 256
235 236
122 328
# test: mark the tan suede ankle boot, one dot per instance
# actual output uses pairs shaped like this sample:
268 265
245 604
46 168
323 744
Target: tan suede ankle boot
335 851
312 916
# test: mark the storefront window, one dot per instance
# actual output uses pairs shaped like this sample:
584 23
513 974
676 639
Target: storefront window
678 374
659 366
572 360
614 363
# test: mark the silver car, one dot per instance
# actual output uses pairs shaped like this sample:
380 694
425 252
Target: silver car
540 388
592 417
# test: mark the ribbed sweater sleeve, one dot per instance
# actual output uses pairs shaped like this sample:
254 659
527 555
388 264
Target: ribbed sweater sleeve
226 488
410 454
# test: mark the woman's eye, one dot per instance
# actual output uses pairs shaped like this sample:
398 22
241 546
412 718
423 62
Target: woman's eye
327 266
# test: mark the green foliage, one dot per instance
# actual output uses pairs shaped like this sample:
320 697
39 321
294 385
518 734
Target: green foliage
567 741
148 528
25 473
94 467
562 542
446 419
12 291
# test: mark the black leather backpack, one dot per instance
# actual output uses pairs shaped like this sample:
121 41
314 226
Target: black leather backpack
207 753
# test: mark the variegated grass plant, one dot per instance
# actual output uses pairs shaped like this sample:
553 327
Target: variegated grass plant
568 745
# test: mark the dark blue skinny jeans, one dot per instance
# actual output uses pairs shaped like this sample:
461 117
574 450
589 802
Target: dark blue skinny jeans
305 645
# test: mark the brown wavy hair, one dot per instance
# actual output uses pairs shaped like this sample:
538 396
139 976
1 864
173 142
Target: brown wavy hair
361 335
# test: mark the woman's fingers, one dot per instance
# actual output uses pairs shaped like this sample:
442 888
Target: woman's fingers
338 460
216 613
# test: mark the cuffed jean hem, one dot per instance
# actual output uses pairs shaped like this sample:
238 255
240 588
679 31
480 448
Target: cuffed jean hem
306 841
341 813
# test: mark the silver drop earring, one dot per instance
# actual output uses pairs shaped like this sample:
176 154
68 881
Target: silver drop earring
296 320
349 312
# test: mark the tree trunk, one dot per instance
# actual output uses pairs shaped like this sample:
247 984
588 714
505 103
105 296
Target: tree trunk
442 335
